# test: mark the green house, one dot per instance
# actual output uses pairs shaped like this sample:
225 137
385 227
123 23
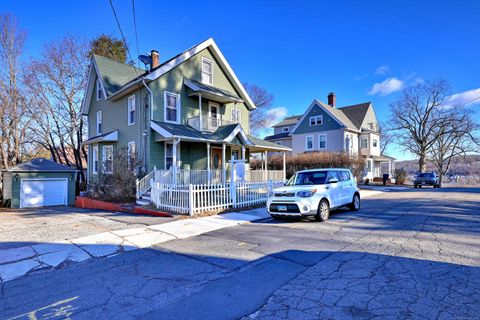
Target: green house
189 114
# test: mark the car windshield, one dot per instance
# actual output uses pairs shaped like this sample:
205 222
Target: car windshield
308 178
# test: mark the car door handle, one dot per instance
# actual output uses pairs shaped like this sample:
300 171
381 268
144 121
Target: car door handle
326 188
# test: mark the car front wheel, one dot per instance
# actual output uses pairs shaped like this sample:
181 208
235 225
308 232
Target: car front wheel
323 211
355 205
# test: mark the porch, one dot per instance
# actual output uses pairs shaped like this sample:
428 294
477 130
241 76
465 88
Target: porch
377 166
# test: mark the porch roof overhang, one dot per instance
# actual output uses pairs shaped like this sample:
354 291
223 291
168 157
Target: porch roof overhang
106 137
225 134
383 158
210 92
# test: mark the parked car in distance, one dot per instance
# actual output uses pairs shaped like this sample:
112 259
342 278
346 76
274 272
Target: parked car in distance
314 193
426 179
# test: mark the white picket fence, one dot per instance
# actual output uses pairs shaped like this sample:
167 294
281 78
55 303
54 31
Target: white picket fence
197 198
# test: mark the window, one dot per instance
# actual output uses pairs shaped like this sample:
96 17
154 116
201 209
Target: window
131 110
369 165
343 175
236 115
107 159
172 107
207 71
99 90
168 156
235 154
95 160
375 143
99 122
309 143
316 121
285 129
131 155
322 141
364 142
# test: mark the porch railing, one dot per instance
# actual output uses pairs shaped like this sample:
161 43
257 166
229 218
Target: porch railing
144 184
208 123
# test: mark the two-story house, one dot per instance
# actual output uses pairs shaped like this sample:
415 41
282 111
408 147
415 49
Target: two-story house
187 113
324 127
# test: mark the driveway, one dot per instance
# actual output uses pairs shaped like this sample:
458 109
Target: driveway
406 254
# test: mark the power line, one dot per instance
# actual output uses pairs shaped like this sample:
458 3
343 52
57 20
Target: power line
135 28
121 32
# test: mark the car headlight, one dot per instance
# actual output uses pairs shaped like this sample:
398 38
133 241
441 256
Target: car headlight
306 193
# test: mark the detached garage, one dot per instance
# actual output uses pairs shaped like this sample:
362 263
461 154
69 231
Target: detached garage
38 183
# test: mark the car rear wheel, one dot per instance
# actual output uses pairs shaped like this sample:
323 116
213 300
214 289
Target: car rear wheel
323 212
355 205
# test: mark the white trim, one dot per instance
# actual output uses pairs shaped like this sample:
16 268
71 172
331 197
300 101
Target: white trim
95 155
129 150
129 109
99 112
238 129
306 143
217 54
160 130
110 137
316 120
178 106
322 135
204 59
65 202
98 90
216 105
104 158
88 97
165 153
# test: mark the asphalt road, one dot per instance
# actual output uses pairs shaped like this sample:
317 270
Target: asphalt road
410 254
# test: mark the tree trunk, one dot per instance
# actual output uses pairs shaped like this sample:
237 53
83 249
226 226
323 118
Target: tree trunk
422 163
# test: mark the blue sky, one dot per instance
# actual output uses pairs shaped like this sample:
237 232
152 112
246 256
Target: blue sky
363 51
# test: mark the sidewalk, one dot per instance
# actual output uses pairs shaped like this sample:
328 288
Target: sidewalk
17 262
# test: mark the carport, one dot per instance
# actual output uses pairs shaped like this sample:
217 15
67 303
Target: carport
39 183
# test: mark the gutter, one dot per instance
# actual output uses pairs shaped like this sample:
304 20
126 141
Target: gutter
150 103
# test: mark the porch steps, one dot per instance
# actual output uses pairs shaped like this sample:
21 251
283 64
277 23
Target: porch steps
145 199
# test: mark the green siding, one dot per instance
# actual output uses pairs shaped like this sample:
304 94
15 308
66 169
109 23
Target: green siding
7 185
24 175
328 122
172 81
115 117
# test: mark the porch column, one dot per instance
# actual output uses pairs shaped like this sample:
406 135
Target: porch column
266 165
200 108
224 171
208 162
174 160
390 168
284 166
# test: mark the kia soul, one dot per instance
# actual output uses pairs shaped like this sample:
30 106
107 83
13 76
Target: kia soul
315 193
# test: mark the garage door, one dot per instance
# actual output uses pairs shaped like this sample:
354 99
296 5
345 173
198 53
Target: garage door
43 192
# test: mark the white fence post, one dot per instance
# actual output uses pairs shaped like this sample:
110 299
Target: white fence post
190 199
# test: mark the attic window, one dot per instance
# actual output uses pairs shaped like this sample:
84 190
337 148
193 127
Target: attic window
285 129
316 121
99 90
207 71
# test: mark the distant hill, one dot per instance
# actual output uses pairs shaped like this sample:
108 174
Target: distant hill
468 166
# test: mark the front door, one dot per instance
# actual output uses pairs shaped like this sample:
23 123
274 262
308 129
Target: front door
216 159
214 115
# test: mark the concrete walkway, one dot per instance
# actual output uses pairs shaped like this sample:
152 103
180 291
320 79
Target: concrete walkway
17 262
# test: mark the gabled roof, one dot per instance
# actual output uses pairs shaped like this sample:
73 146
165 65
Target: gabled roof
356 113
114 74
288 121
41 165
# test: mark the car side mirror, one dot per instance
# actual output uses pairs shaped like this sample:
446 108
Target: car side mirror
332 180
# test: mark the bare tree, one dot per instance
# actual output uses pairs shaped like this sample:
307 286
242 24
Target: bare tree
57 81
387 137
416 116
263 100
454 138
14 122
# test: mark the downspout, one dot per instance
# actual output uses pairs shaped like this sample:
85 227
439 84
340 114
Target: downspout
147 124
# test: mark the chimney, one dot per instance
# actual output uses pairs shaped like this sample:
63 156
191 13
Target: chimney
331 99
155 59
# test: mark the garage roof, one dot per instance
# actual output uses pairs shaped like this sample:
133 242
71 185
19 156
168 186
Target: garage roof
41 165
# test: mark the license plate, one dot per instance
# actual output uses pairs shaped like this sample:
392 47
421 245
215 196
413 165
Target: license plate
282 208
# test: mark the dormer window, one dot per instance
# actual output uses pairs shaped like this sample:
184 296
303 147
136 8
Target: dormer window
285 129
316 121
99 90
207 71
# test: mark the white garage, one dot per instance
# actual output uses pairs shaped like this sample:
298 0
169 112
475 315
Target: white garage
38 183
43 192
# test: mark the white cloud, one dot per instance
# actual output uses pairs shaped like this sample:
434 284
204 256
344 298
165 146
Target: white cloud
386 87
277 114
382 70
466 98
